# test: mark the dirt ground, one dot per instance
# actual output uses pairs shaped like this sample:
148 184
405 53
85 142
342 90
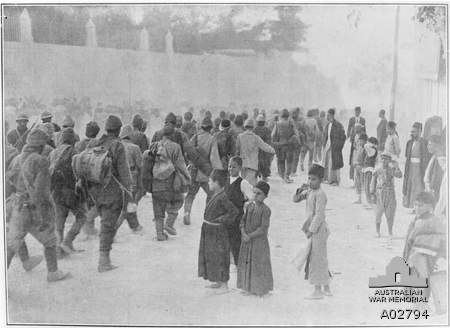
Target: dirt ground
157 284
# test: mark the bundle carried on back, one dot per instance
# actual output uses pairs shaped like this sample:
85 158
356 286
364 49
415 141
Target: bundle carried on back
94 165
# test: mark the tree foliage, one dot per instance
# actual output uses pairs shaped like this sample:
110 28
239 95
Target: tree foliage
191 33
434 18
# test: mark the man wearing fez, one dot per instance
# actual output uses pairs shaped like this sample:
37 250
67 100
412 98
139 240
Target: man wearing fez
417 157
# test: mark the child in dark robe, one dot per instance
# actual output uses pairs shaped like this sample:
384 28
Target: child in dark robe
316 228
255 269
214 252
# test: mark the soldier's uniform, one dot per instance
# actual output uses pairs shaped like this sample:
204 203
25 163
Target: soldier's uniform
68 122
28 262
165 199
134 158
207 145
17 137
110 199
137 136
63 192
33 211
92 129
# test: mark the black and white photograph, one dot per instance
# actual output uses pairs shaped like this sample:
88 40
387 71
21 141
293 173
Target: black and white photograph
220 164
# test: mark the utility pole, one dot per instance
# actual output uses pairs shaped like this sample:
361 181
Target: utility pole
395 67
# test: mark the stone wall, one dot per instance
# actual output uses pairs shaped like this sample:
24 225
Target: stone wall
113 76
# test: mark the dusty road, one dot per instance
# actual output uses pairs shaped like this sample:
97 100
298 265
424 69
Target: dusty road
156 283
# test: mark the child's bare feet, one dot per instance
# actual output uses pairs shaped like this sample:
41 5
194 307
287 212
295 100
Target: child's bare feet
215 285
317 295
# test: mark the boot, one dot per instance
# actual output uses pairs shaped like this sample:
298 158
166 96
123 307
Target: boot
67 247
187 218
89 228
378 226
52 265
61 253
160 234
104 262
139 230
57 275
169 224
10 255
32 262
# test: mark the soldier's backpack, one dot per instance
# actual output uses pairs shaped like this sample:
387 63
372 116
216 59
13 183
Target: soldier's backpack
93 165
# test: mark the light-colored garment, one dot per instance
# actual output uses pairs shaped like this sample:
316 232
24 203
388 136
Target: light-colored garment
392 145
246 187
434 160
328 144
441 206
330 174
247 146
134 159
318 272
207 143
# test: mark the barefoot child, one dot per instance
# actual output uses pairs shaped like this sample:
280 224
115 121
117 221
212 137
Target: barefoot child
370 158
383 183
255 268
214 252
316 228
358 162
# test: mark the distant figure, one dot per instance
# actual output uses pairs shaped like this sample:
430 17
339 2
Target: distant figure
137 136
17 137
334 142
392 144
357 120
285 139
91 132
310 133
264 159
382 130
247 146
226 144
46 117
238 128
67 122
188 126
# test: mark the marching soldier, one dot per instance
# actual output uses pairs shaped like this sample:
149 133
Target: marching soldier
33 211
111 199
18 137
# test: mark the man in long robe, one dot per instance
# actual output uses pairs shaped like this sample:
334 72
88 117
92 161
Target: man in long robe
417 157
334 140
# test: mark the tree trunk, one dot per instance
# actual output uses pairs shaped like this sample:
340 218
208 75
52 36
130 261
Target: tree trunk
395 66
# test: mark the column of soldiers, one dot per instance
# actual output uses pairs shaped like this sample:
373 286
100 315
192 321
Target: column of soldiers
43 186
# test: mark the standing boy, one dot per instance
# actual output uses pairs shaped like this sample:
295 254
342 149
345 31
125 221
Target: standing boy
383 184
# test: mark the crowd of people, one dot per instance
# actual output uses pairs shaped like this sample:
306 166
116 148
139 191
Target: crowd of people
51 172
